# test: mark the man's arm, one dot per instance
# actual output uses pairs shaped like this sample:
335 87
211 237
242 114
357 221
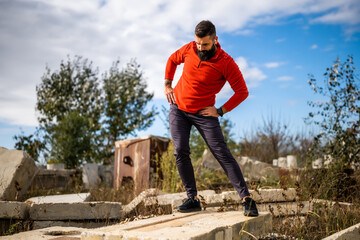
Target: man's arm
169 91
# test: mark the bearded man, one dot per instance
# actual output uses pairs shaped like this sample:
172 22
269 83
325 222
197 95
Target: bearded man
206 69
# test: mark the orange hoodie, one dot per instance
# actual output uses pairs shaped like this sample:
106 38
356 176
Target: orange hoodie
202 80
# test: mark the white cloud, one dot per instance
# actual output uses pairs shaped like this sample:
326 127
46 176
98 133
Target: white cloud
280 40
273 64
314 46
39 32
252 75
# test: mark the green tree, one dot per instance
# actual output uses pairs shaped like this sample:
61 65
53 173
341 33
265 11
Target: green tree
30 144
71 90
125 103
338 114
71 140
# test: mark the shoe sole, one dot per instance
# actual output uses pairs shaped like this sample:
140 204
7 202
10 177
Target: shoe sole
190 210
251 215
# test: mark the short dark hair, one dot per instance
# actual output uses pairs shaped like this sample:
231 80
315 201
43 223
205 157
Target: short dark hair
205 28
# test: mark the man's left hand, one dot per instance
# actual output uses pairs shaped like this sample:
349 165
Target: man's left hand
209 112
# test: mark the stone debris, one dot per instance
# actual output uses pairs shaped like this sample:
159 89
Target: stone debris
90 175
17 171
64 198
13 210
76 211
207 224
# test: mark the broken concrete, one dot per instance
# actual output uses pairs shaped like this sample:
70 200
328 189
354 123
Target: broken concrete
76 211
251 169
90 175
254 169
50 179
16 174
64 198
207 224
210 199
54 233
79 224
350 233
13 210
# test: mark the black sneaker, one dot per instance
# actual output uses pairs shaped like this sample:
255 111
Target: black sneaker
190 205
250 208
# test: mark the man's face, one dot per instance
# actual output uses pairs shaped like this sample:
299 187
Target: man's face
205 47
205 43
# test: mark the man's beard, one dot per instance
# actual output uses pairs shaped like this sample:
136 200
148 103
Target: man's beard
206 54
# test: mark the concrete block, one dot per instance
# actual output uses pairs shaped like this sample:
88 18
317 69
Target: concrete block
106 174
286 208
65 198
17 171
282 162
291 161
207 224
55 166
76 211
13 210
64 233
78 224
90 175
140 198
350 233
274 195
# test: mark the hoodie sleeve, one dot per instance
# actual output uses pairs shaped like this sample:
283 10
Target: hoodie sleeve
236 80
174 60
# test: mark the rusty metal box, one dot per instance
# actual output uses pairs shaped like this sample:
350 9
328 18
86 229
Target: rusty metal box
135 159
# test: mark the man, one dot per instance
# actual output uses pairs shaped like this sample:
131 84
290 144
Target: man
206 69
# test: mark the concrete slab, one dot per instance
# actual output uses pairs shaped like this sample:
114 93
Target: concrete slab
17 171
350 233
76 211
90 175
53 233
78 224
65 198
211 199
13 210
199 225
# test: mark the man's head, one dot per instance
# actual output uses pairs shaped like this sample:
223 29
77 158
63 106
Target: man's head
205 38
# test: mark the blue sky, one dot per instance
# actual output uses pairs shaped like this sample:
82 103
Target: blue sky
275 43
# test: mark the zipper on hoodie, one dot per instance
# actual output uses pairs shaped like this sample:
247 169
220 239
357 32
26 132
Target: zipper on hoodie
199 64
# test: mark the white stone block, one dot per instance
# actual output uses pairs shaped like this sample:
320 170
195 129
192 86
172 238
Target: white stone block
90 175
282 162
17 171
291 161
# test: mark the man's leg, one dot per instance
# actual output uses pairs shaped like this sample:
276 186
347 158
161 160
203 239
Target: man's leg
180 127
209 128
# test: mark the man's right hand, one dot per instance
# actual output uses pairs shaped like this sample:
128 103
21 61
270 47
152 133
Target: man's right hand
169 92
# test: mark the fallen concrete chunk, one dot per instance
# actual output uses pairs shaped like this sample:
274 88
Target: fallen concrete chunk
350 233
58 233
13 210
79 224
76 211
207 224
17 171
65 198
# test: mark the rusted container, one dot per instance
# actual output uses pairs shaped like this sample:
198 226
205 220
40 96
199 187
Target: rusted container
135 160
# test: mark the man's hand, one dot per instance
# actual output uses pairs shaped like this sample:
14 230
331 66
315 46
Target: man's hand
209 112
169 92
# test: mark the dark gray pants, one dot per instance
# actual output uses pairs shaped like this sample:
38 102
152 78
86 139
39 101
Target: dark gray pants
210 130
